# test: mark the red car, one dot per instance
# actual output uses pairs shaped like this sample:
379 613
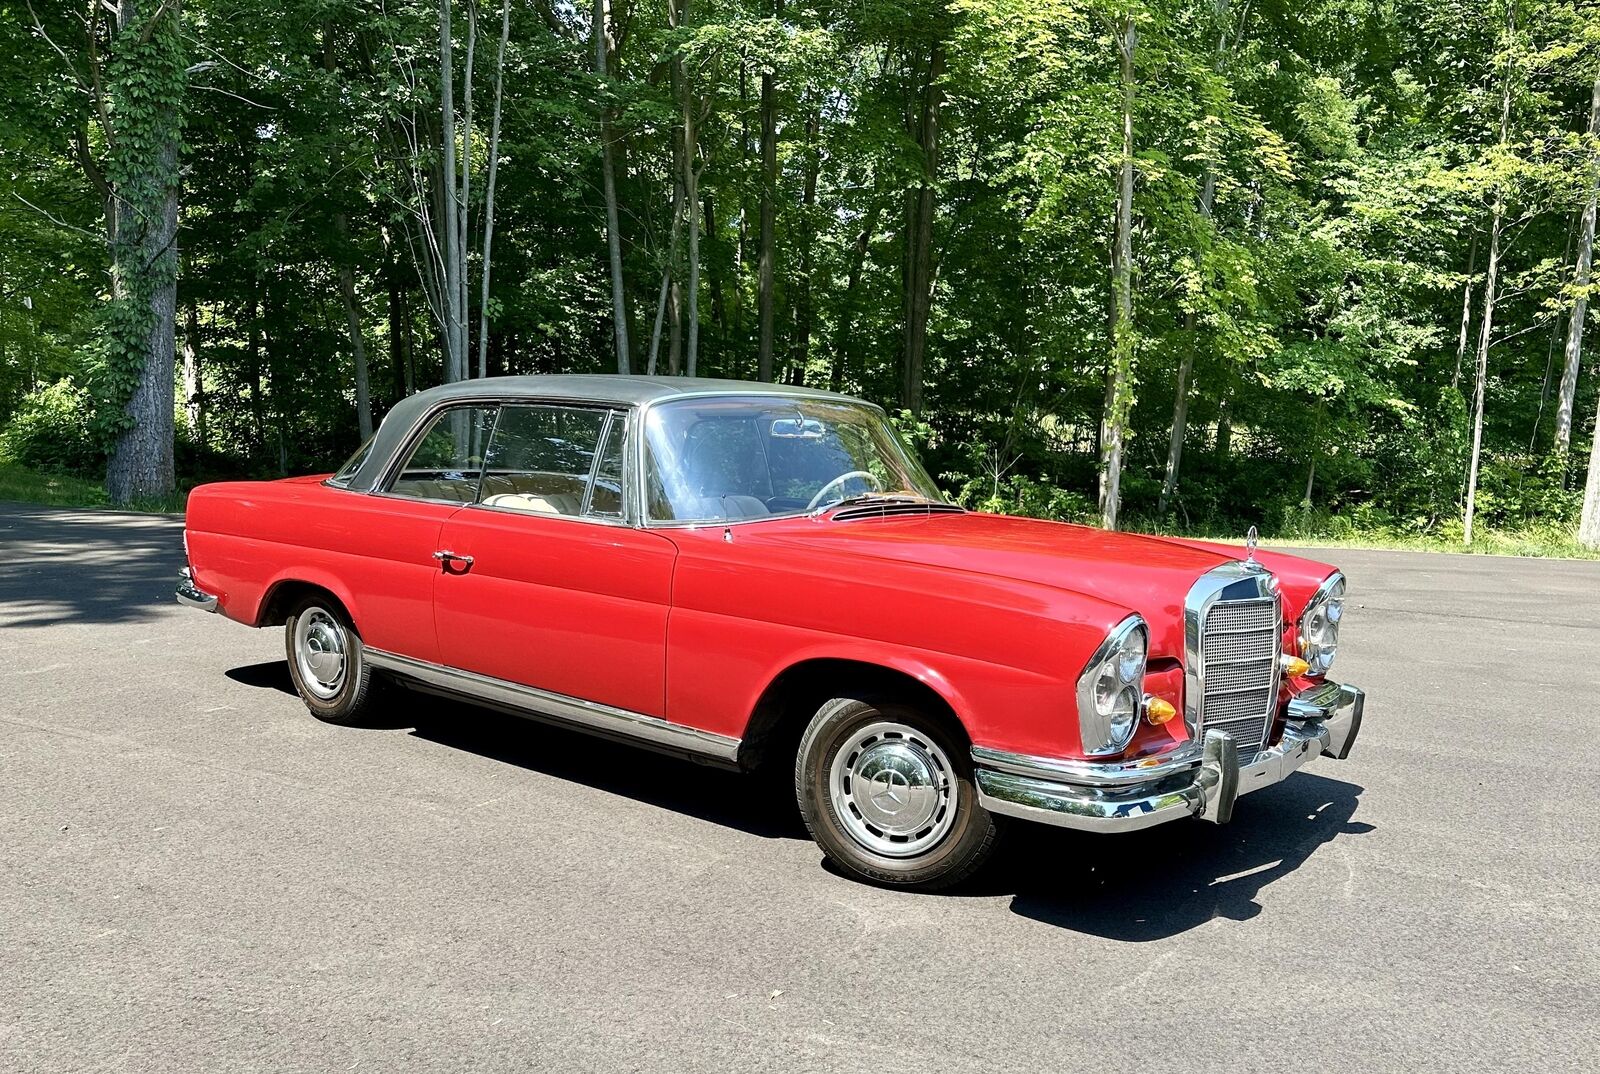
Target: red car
746 574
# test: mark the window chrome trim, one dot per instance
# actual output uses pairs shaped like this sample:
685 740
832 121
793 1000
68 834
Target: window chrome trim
1249 581
560 708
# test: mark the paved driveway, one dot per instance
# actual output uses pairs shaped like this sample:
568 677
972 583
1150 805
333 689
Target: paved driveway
197 876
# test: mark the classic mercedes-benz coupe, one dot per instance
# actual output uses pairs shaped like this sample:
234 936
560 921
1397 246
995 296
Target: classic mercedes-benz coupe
756 576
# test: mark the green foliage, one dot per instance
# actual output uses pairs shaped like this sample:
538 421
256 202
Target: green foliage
1312 181
50 432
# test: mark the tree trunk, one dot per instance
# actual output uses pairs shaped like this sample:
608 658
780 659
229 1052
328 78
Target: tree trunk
719 298
194 384
769 182
1224 444
464 347
454 359
1115 423
691 182
847 309
619 311
1180 402
488 192
1315 448
1491 279
918 281
399 322
665 293
1466 310
1580 281
253 367
675 331
1589 523
352 317
808 203
143 229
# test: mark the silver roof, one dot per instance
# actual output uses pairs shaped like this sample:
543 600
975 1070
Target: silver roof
608 389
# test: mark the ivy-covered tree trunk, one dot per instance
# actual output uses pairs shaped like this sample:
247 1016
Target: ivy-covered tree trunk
145 78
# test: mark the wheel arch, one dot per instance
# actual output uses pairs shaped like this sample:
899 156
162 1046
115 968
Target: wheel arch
794 695
284 593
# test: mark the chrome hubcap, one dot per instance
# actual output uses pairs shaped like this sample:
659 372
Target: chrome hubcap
893 789
319 645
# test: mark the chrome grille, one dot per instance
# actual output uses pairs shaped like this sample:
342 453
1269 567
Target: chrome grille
1239 656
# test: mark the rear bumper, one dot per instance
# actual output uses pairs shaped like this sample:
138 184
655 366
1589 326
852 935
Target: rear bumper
1199 780
192 595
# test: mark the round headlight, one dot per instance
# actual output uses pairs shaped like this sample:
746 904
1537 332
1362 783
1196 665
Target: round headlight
1130 661
1110 689
1319 625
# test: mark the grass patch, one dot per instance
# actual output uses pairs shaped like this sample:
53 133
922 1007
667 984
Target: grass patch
1535 544
21 484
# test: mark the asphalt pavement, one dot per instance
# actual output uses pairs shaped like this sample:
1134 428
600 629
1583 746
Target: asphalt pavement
197 876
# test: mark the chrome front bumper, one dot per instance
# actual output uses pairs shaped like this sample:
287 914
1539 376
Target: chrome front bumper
192 595
1200 779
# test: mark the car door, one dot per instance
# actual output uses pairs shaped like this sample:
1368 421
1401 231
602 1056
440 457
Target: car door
551 587
389 536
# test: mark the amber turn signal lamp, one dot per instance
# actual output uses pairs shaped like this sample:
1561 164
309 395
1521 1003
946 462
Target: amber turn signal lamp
1158 711
1293 665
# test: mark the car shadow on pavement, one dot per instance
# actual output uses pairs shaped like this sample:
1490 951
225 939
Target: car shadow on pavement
1135 887
749 804
1167 880
268 675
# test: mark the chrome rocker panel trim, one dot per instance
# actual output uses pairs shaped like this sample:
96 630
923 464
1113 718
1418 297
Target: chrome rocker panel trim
193 596
591 716
1201 781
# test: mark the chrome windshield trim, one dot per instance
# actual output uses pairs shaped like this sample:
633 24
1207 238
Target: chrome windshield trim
1181 758
574 711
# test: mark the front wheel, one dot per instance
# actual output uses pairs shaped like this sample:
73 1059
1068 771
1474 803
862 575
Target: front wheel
325 662
886 791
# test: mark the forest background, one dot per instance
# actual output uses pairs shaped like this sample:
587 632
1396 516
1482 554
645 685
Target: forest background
1322 267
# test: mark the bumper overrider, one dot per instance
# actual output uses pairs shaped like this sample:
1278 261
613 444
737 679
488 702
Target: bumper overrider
1199 779
193 596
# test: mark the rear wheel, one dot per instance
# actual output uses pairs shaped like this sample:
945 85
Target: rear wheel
886 790
325 662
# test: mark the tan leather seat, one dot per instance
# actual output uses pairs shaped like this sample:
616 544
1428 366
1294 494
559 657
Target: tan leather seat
552 503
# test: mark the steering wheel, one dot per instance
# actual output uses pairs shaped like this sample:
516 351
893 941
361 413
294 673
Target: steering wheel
840 480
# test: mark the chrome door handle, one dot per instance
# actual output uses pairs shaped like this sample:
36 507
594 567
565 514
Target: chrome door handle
447 557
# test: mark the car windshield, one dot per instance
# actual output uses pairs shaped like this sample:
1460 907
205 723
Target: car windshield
716 459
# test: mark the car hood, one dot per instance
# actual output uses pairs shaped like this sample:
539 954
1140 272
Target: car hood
1148 575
